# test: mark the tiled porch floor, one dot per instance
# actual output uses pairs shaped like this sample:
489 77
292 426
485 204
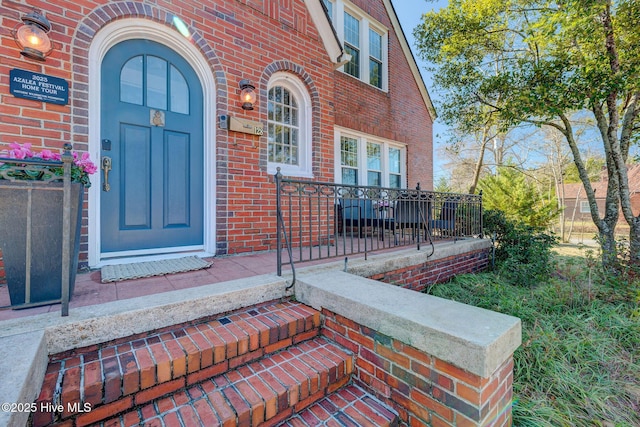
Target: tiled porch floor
90 291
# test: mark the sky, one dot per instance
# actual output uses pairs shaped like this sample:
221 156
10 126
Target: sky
409 14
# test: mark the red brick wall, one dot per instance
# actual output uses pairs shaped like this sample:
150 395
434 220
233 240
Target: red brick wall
399 114
418 277
425 390
3 275
236 47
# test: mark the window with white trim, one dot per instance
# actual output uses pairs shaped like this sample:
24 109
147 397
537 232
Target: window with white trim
584 206
288 126
367 160
329 5
375 58
349 160
374 164
395 169
352 44
365 39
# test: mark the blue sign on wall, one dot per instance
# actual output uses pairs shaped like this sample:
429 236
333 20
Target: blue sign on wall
39 87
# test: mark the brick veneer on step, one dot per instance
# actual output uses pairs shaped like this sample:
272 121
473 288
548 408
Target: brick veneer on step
425 390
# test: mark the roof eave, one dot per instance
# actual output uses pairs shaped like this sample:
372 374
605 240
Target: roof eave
327 32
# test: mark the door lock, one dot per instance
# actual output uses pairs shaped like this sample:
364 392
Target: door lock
106 167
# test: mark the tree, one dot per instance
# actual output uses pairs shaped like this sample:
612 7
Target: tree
511 192
540 62
442 185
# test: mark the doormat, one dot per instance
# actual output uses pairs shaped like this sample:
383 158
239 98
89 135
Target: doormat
117 273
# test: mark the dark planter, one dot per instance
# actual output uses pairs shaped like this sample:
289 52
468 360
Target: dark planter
32 244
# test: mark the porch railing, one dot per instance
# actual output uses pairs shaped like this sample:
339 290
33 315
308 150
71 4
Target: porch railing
319 220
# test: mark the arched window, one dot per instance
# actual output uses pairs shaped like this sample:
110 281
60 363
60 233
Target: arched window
288 126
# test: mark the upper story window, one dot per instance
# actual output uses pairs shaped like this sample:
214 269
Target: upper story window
365 39
352 44
375 58
367 160
329 6
288 126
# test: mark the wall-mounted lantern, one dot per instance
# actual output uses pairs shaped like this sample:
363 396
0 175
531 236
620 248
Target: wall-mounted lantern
247 94
32 36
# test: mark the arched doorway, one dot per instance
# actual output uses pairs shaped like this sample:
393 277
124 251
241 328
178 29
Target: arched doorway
143 29
151 150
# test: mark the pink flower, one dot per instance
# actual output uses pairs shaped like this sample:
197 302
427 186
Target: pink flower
82 165
20 151
46 155
85 163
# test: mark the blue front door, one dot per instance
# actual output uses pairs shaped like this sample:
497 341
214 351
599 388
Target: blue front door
151 124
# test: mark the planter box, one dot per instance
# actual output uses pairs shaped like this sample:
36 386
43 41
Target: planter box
31 239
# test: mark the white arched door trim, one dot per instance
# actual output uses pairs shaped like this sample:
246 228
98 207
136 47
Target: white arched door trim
136 28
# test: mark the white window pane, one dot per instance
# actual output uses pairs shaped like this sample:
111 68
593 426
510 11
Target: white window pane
283 127
349 176
156 82
374 156
394 160
329 6
351 30
353 66
374 179
349 151
131 81
375 73
179 92
375 44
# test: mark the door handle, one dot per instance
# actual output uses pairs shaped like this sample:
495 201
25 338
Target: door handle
106 167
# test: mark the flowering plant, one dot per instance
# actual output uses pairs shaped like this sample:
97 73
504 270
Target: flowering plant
81 167
383 204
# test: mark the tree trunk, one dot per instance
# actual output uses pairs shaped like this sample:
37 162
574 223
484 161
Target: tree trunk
573 214
607 238
607 225
479 163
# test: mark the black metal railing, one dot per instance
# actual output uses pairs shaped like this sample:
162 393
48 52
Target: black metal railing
318 220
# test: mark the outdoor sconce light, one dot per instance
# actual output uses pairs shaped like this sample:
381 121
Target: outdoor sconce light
32 36
247 94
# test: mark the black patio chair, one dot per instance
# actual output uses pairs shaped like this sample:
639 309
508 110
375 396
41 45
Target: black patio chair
357 213
445 225
408 212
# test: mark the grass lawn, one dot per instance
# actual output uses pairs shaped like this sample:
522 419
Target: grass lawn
579 363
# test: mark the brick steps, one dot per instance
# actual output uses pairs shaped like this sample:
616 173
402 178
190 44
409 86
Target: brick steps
261 393
136 370
350 406
265 365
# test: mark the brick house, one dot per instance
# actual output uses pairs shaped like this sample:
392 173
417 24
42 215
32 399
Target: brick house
155 87
576 205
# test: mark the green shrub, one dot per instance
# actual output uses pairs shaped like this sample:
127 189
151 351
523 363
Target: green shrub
579 362
522 253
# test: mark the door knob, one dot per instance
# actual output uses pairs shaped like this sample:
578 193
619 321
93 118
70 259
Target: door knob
106 167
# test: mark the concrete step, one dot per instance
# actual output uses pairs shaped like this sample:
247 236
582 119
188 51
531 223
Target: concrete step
92 384
350 406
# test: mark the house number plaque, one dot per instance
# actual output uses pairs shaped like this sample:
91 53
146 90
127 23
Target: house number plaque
156 118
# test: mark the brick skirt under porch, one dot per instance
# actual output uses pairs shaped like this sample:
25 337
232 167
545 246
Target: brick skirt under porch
418 277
